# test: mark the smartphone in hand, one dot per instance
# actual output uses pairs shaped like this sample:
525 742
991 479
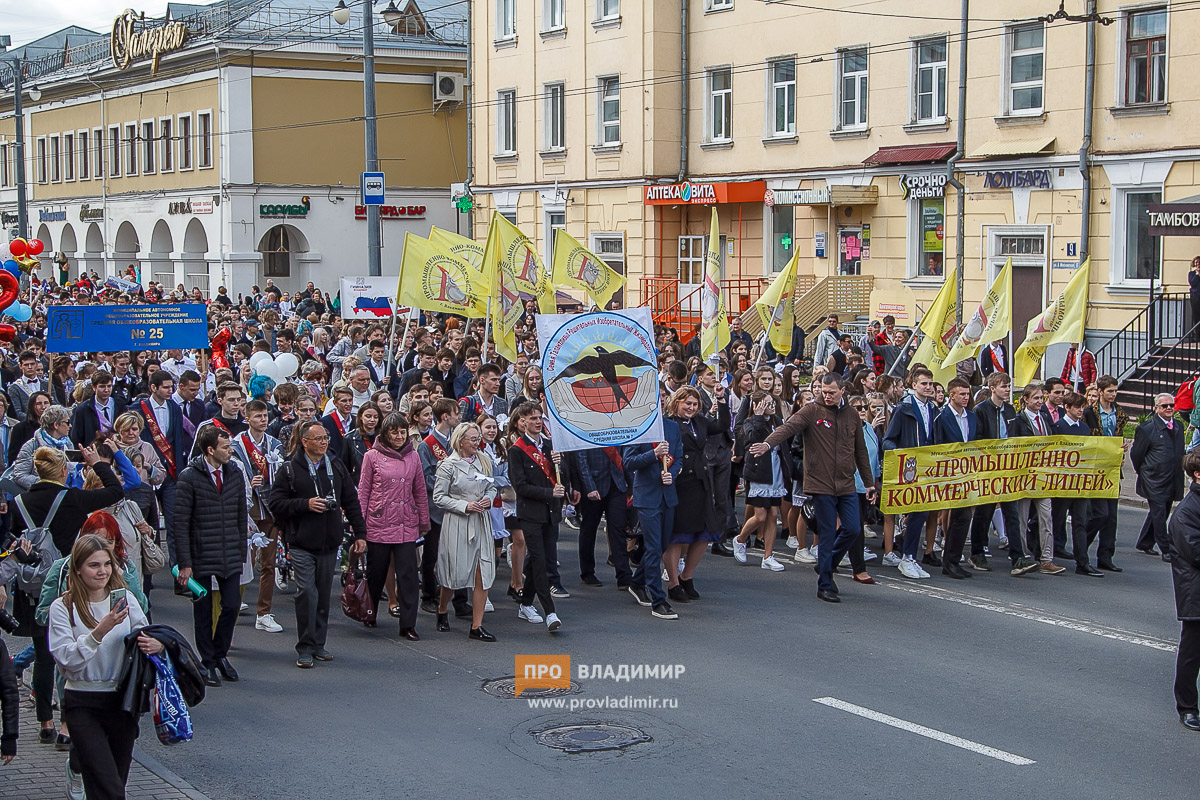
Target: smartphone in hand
115 598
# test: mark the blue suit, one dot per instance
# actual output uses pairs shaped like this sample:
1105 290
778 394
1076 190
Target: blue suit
907 429
946 430
655 504
600 474
1076 507
180 443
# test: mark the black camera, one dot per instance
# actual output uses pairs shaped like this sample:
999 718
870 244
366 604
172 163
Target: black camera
32 558
331 503
7 623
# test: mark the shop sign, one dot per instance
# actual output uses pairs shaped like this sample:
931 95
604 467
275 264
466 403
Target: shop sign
1018 179
819 244
393 212
682 193
191 206
89 214
923 187
52 216
128 45
798 197
1175 219
8 218
204 206
689 193
866 241
276 210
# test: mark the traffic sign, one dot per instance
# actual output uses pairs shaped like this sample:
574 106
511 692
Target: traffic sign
373 193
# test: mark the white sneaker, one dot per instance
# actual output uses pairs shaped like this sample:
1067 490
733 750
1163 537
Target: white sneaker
529 614
920 570
1002 542
74 783
910 569
243 608
770 563
793 542
553 623
665 576
803 556
812 551
489 607
682 564
739 551
868 555
266 622
280 583
890 559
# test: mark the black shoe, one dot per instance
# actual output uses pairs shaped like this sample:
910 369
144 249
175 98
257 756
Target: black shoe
429 606
955 571
591 580
211 678
1167 557
514 594
664 611
46 735
1108 566
678 594
323 655
1150 551
227 671
463 611
1061 552
410 634
722 549
481 634
639 593
930 560
305 661
1090 571
62 743
443 622
689 586
828 597
1190 721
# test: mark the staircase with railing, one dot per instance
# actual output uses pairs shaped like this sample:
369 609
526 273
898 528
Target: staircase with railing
1153 353
672 309
846 295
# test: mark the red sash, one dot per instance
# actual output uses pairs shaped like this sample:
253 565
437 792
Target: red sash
220 425
160 440
439 452
256 456
614 455
538 457
337 420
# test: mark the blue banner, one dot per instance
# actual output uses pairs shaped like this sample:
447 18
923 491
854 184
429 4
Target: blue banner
93 328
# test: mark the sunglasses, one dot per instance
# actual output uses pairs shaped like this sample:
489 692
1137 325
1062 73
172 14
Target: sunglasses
1166 405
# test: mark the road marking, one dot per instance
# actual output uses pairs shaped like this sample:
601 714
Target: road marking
928 733
1021 611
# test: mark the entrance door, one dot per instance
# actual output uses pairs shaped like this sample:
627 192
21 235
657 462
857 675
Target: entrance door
693 252
849 251
1026 246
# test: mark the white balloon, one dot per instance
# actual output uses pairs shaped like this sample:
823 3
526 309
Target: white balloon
258 358
268 369
288 364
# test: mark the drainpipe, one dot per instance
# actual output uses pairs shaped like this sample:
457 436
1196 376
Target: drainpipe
98 163
683 91
470 117
960 235
1089 95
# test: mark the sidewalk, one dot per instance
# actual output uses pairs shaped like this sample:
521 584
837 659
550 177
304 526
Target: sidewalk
39 771
1128 496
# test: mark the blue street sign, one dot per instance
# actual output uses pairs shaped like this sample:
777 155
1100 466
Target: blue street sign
373 193
92 328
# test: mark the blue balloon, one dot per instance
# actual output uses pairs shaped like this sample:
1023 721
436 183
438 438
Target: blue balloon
20 312
13 267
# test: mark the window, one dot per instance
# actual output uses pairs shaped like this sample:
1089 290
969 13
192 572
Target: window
97 170
506 122
610 111
114 151
277 258
931 221
608 9
555 222
131 148
185 141
611 249
555 110
552 15
783 230
42 172
511 216
68 156
85 156
149 147
1143 252
718 5
931 80
1022 246
720 105
167 147
783 97
1026 69
852 88
693 259
55 159
506 19
4 176
1146 57
204 139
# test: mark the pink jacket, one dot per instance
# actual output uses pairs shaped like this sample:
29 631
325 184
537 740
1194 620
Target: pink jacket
391 491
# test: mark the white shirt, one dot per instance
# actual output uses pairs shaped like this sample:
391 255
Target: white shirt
213 472
162 414
1039 424
88 665
963 425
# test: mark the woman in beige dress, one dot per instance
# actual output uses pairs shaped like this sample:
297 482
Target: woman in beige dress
464 489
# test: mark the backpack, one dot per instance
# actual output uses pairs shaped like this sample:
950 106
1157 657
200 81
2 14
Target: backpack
1184 395
30 577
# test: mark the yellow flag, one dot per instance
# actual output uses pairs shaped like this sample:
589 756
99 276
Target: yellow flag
575 265
992 319
939 328
460 246
432 279
714 320
507 246
775 308
505 292
1062 321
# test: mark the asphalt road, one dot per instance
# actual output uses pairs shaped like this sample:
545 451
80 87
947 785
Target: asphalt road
1071 673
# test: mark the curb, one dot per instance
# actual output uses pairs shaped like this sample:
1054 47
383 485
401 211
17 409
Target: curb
154 766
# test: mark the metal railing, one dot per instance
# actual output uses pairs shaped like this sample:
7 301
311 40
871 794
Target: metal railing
682 311
1162 321
1155 376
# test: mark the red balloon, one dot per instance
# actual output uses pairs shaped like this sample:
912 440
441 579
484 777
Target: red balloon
18 247
7 333
10 288
35 246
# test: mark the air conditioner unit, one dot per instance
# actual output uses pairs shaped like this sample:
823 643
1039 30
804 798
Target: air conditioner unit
448 87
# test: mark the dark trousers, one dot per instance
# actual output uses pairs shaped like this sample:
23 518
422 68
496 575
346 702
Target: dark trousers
834 541
429 584
612 507
1103 523
1077 507
956 536
540 541
656 524
166 496
102 737
43 673
723 501
1013 528
213 646
1154 529
408 584
314 580
914 534
1187 668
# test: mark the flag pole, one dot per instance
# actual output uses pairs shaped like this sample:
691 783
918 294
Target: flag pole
392 334
487 326
762 342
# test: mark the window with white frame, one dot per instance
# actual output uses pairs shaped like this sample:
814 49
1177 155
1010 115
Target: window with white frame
85 155
506 19
43 172
1026 69
608 9
552 15
783 97
68 147
554 99
4 174
204 139
97 168
185 141
506 122
114 151
930 83
131 148
55 160
610 110
611 249
166 145
718 5
555 221
1146 56
1143 252
852 88
720 105
149 147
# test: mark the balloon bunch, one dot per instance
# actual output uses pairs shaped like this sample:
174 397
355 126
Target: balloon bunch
220 349
277 369
24 259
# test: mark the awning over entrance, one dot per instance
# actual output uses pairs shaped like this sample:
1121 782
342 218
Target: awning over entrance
1176 218
912 154
1015 147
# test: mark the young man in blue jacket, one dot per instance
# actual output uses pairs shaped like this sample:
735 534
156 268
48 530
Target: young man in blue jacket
957 423
912 426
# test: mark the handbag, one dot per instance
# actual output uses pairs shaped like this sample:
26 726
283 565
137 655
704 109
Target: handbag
172 722
153 557
356 596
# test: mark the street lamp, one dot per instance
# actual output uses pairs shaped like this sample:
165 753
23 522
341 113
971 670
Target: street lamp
16 67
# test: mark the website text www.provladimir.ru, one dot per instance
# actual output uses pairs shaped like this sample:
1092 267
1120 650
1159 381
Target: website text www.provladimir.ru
553 672
608 703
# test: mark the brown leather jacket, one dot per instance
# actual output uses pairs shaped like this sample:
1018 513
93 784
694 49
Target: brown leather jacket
833 446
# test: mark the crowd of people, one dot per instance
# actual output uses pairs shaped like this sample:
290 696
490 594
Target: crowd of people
415 453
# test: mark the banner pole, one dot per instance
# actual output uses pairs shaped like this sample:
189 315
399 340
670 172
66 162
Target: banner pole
392 334
762 341
487 326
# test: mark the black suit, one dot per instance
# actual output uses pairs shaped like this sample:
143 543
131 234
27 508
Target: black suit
945 430
1157 455
1077 507
988 364
990 419
336 438
179 443
85 424
538 512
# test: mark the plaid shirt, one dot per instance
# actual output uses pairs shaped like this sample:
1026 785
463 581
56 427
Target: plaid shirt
881 340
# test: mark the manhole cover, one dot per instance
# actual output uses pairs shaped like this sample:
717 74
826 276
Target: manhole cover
590 736
506 688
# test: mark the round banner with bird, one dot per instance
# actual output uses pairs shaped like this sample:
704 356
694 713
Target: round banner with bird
601 378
